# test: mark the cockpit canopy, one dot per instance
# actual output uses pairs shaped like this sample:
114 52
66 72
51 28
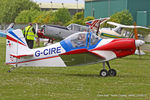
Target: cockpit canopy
82 40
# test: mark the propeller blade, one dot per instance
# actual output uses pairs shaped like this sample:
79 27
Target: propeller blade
135 31
136 37
36 28
36 31
98 27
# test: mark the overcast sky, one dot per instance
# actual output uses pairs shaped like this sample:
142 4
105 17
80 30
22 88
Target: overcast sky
61 1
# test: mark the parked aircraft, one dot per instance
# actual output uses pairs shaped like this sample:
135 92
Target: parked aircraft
77 49
4 32
53 32
121 31
60 32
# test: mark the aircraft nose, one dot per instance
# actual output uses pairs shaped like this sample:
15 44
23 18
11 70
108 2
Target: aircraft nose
139 43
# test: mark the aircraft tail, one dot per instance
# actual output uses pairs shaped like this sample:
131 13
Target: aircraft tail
94 23
15 45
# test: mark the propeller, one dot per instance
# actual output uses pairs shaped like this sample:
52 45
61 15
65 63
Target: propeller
98 27
36 31
138 42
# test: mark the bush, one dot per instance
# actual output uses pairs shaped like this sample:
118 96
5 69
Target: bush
123 17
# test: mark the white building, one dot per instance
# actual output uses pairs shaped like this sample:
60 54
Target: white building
73 8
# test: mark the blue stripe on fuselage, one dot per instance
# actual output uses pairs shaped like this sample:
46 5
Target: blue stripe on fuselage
13 34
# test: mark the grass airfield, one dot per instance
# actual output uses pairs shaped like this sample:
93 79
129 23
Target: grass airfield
76 83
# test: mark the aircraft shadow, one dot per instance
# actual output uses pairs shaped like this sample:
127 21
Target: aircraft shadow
78 75
83 75
137 59
56 74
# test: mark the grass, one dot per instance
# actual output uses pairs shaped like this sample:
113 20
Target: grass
76 83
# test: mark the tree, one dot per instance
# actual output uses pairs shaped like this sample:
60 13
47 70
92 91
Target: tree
88 18
123 17
9 9
26 16
34 16
78 18
44 17
61 17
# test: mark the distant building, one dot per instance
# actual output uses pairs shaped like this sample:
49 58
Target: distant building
140 9
73 8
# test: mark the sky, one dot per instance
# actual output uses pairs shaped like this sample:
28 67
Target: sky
61 1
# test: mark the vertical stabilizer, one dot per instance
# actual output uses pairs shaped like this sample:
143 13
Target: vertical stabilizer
15 44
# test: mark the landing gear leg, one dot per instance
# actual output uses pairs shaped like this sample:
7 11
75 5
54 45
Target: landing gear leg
110 72
103 72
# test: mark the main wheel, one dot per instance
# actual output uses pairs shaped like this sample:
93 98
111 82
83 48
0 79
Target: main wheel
112 72
103 73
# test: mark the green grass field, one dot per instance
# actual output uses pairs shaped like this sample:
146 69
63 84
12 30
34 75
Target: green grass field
76 83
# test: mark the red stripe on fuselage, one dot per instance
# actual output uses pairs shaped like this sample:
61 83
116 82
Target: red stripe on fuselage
33 60
78 51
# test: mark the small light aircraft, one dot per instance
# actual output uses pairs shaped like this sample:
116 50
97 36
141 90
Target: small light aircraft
53 32
77 49
4 32
119 32
60 32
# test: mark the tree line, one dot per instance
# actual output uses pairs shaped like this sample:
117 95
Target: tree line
25 11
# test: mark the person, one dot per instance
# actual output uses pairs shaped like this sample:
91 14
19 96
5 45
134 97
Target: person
81 41
29 33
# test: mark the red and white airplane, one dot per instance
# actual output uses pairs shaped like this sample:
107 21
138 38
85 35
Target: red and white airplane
77 49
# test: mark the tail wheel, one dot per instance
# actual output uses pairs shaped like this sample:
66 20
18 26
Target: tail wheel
112 72
103 73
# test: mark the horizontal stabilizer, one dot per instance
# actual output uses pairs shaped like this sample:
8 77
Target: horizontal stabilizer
21 55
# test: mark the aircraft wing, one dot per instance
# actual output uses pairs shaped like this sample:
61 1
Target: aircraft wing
126 26
2 34
106 55
10 26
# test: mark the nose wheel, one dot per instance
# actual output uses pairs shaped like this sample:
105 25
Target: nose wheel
110 72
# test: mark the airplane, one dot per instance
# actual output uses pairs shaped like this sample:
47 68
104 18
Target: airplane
53 32
60 32
118 32
4 32
77 49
